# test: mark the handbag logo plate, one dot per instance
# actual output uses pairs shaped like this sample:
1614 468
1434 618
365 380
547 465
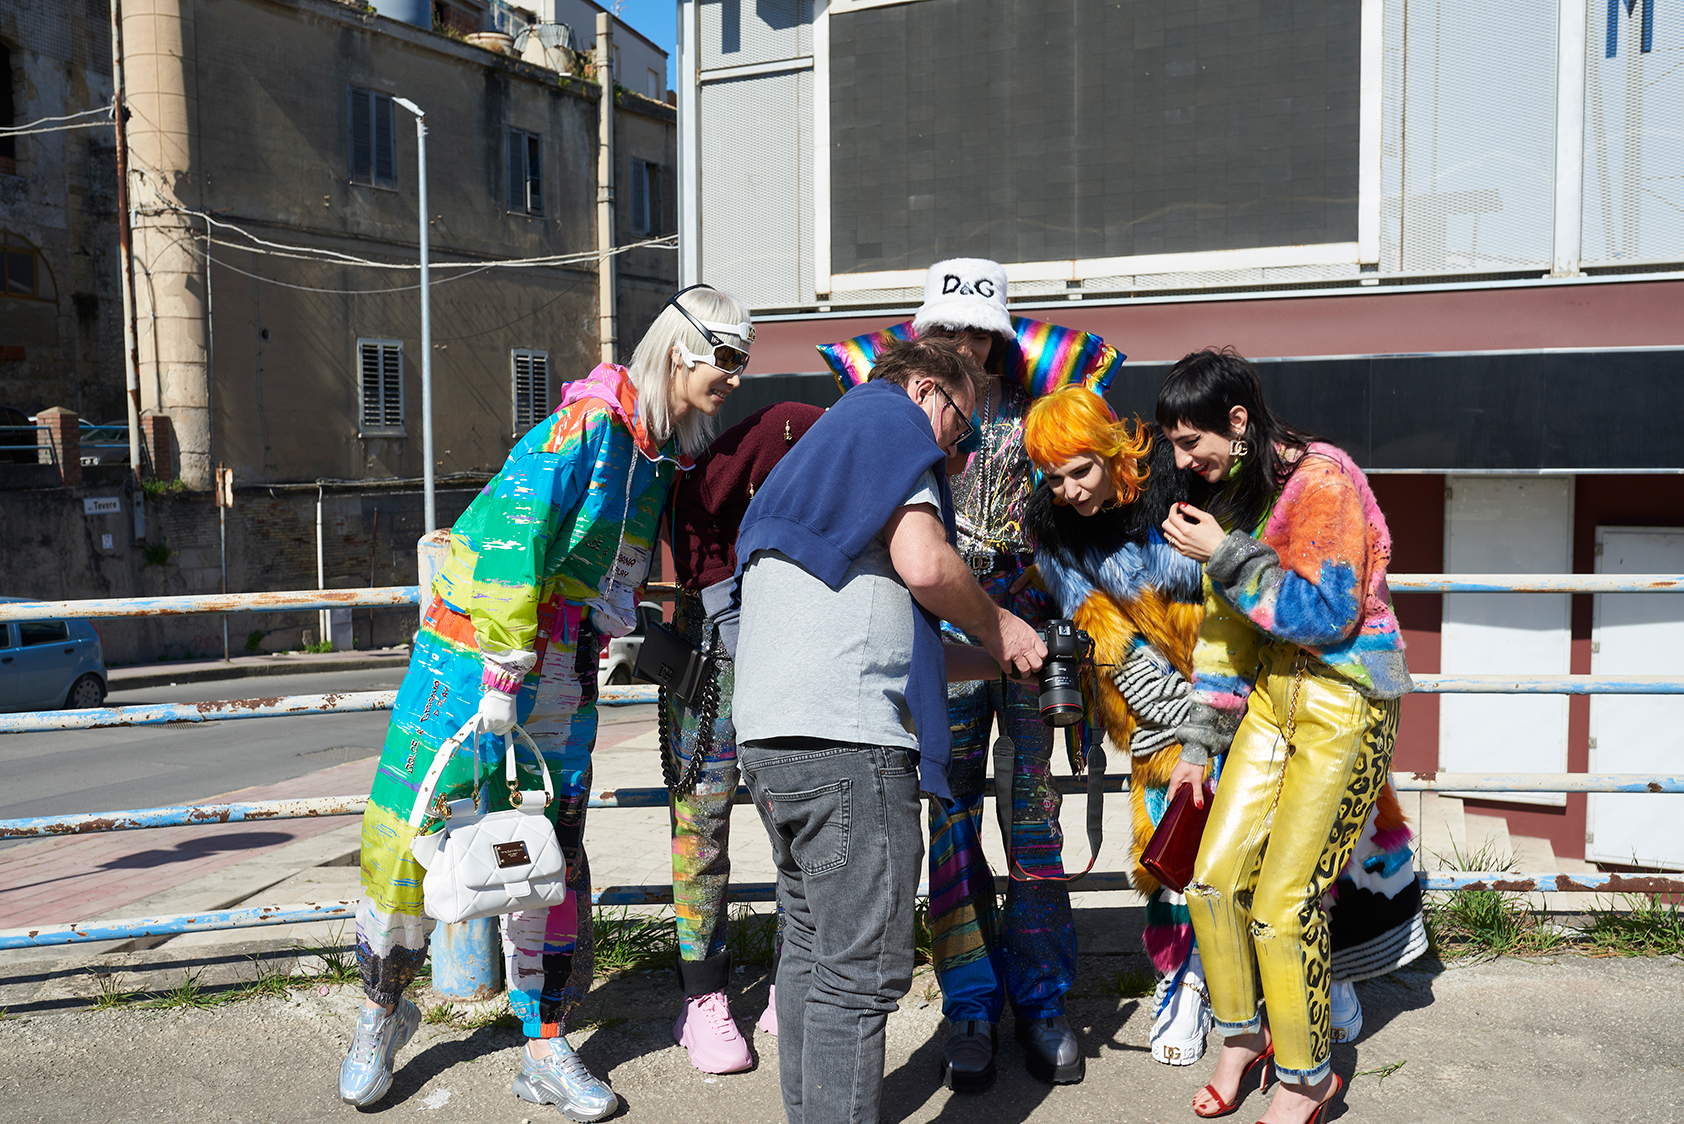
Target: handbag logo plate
511 854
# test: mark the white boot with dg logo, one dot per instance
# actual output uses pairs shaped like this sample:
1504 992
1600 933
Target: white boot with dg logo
1178 1033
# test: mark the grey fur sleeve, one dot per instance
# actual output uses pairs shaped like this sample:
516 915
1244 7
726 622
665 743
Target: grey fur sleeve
1158 694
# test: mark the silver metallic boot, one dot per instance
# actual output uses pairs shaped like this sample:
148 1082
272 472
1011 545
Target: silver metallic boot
1051 1050
967 1061
563 1080
366 1072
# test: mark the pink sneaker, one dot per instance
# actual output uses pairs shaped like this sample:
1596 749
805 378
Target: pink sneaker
768 1022
706 1030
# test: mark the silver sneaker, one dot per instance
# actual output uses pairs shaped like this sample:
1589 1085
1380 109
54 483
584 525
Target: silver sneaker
366 1072
562 1080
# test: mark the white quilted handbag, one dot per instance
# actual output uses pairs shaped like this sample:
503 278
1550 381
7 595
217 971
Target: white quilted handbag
483 864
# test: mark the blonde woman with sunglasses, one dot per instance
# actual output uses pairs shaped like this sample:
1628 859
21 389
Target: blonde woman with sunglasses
542 564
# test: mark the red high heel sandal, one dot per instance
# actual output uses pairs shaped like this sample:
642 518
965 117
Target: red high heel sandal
1223 1107
1315 1117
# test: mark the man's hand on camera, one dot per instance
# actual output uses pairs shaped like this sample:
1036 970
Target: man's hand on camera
1021 650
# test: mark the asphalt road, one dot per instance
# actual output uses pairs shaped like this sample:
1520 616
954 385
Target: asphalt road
152 766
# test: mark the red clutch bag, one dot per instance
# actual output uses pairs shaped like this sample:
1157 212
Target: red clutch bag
1174 845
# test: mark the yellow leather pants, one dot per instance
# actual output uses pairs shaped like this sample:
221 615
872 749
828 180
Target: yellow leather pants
1286 815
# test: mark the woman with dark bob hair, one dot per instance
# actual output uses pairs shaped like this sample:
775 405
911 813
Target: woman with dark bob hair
1297 673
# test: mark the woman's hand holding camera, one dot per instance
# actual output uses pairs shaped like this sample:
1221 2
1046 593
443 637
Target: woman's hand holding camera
1194 533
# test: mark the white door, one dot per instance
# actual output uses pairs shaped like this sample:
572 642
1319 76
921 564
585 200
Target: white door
1506 525
1637 634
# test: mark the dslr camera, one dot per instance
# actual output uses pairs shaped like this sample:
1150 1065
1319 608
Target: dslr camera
1068 647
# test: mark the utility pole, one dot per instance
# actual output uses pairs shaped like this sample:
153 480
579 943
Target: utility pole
607 320
426 319
125 246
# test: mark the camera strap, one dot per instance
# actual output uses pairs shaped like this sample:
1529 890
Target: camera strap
1005 778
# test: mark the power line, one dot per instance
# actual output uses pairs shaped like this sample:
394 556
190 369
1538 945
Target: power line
26 130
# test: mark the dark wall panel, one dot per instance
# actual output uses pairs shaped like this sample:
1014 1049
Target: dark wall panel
1031 130
1430 413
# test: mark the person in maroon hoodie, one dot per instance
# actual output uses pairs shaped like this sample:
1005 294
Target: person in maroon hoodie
707 507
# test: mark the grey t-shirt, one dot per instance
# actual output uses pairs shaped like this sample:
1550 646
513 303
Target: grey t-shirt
821 663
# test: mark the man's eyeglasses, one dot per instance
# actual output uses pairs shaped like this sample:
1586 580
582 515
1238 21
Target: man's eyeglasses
964 434
727 358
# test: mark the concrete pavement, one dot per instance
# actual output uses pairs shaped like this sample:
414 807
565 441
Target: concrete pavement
1559 1039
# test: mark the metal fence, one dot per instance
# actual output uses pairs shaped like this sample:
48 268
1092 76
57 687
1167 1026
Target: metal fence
140 819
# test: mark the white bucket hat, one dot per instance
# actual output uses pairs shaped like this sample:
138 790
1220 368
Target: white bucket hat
964 293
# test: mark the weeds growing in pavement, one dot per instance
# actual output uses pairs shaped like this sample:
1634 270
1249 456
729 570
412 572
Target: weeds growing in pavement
1644 927
1133 983
111 994
439 1014
752 937
267 982
923 944
1483 922
187 995
626 940
1382 1072
339 964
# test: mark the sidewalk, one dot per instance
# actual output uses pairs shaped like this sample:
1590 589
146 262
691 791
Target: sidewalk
1560 1040
138 676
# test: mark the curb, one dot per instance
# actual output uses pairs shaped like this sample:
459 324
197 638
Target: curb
136 678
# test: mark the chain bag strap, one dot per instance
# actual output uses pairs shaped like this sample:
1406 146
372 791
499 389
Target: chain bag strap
480 863
707 713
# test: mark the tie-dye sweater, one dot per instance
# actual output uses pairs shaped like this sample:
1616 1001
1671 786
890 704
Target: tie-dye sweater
574 510
1315 576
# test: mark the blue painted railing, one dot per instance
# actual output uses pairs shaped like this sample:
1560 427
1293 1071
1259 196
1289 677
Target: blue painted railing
138 819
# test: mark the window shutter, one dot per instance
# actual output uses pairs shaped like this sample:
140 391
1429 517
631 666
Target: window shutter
517 171
361 138
640 197
534 174
540 386
654 173
369 362
531 388
385 142
391 386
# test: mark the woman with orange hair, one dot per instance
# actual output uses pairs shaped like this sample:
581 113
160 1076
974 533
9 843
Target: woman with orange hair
1099 552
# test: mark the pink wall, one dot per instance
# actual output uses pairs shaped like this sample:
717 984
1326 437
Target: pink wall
1376 322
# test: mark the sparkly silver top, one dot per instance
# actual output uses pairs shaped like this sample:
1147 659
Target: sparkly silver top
991 496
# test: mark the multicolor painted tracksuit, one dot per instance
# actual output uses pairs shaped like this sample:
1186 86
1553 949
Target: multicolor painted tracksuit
1301 666
548 552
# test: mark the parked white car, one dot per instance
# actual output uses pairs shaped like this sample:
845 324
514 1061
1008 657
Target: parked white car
615 665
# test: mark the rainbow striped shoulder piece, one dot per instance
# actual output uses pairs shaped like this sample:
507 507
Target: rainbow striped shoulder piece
1046 357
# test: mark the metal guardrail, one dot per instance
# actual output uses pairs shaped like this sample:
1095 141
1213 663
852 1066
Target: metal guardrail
1547 882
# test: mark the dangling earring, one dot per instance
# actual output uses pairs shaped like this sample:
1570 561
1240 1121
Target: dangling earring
1238 447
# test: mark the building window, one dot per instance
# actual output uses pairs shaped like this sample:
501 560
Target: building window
8 145
645 197
21 273
380 375
526 177
374 143
531 388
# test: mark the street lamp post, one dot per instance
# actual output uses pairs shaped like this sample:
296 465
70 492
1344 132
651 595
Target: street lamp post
426 318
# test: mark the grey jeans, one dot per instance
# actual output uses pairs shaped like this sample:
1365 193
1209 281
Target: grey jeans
848 839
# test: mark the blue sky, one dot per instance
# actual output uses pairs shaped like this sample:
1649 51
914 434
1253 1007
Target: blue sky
656 19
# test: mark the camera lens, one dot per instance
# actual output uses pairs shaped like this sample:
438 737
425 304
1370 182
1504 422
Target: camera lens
1061 697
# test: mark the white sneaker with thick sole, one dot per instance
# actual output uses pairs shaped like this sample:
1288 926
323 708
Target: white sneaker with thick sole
1178 1033
1346 1013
